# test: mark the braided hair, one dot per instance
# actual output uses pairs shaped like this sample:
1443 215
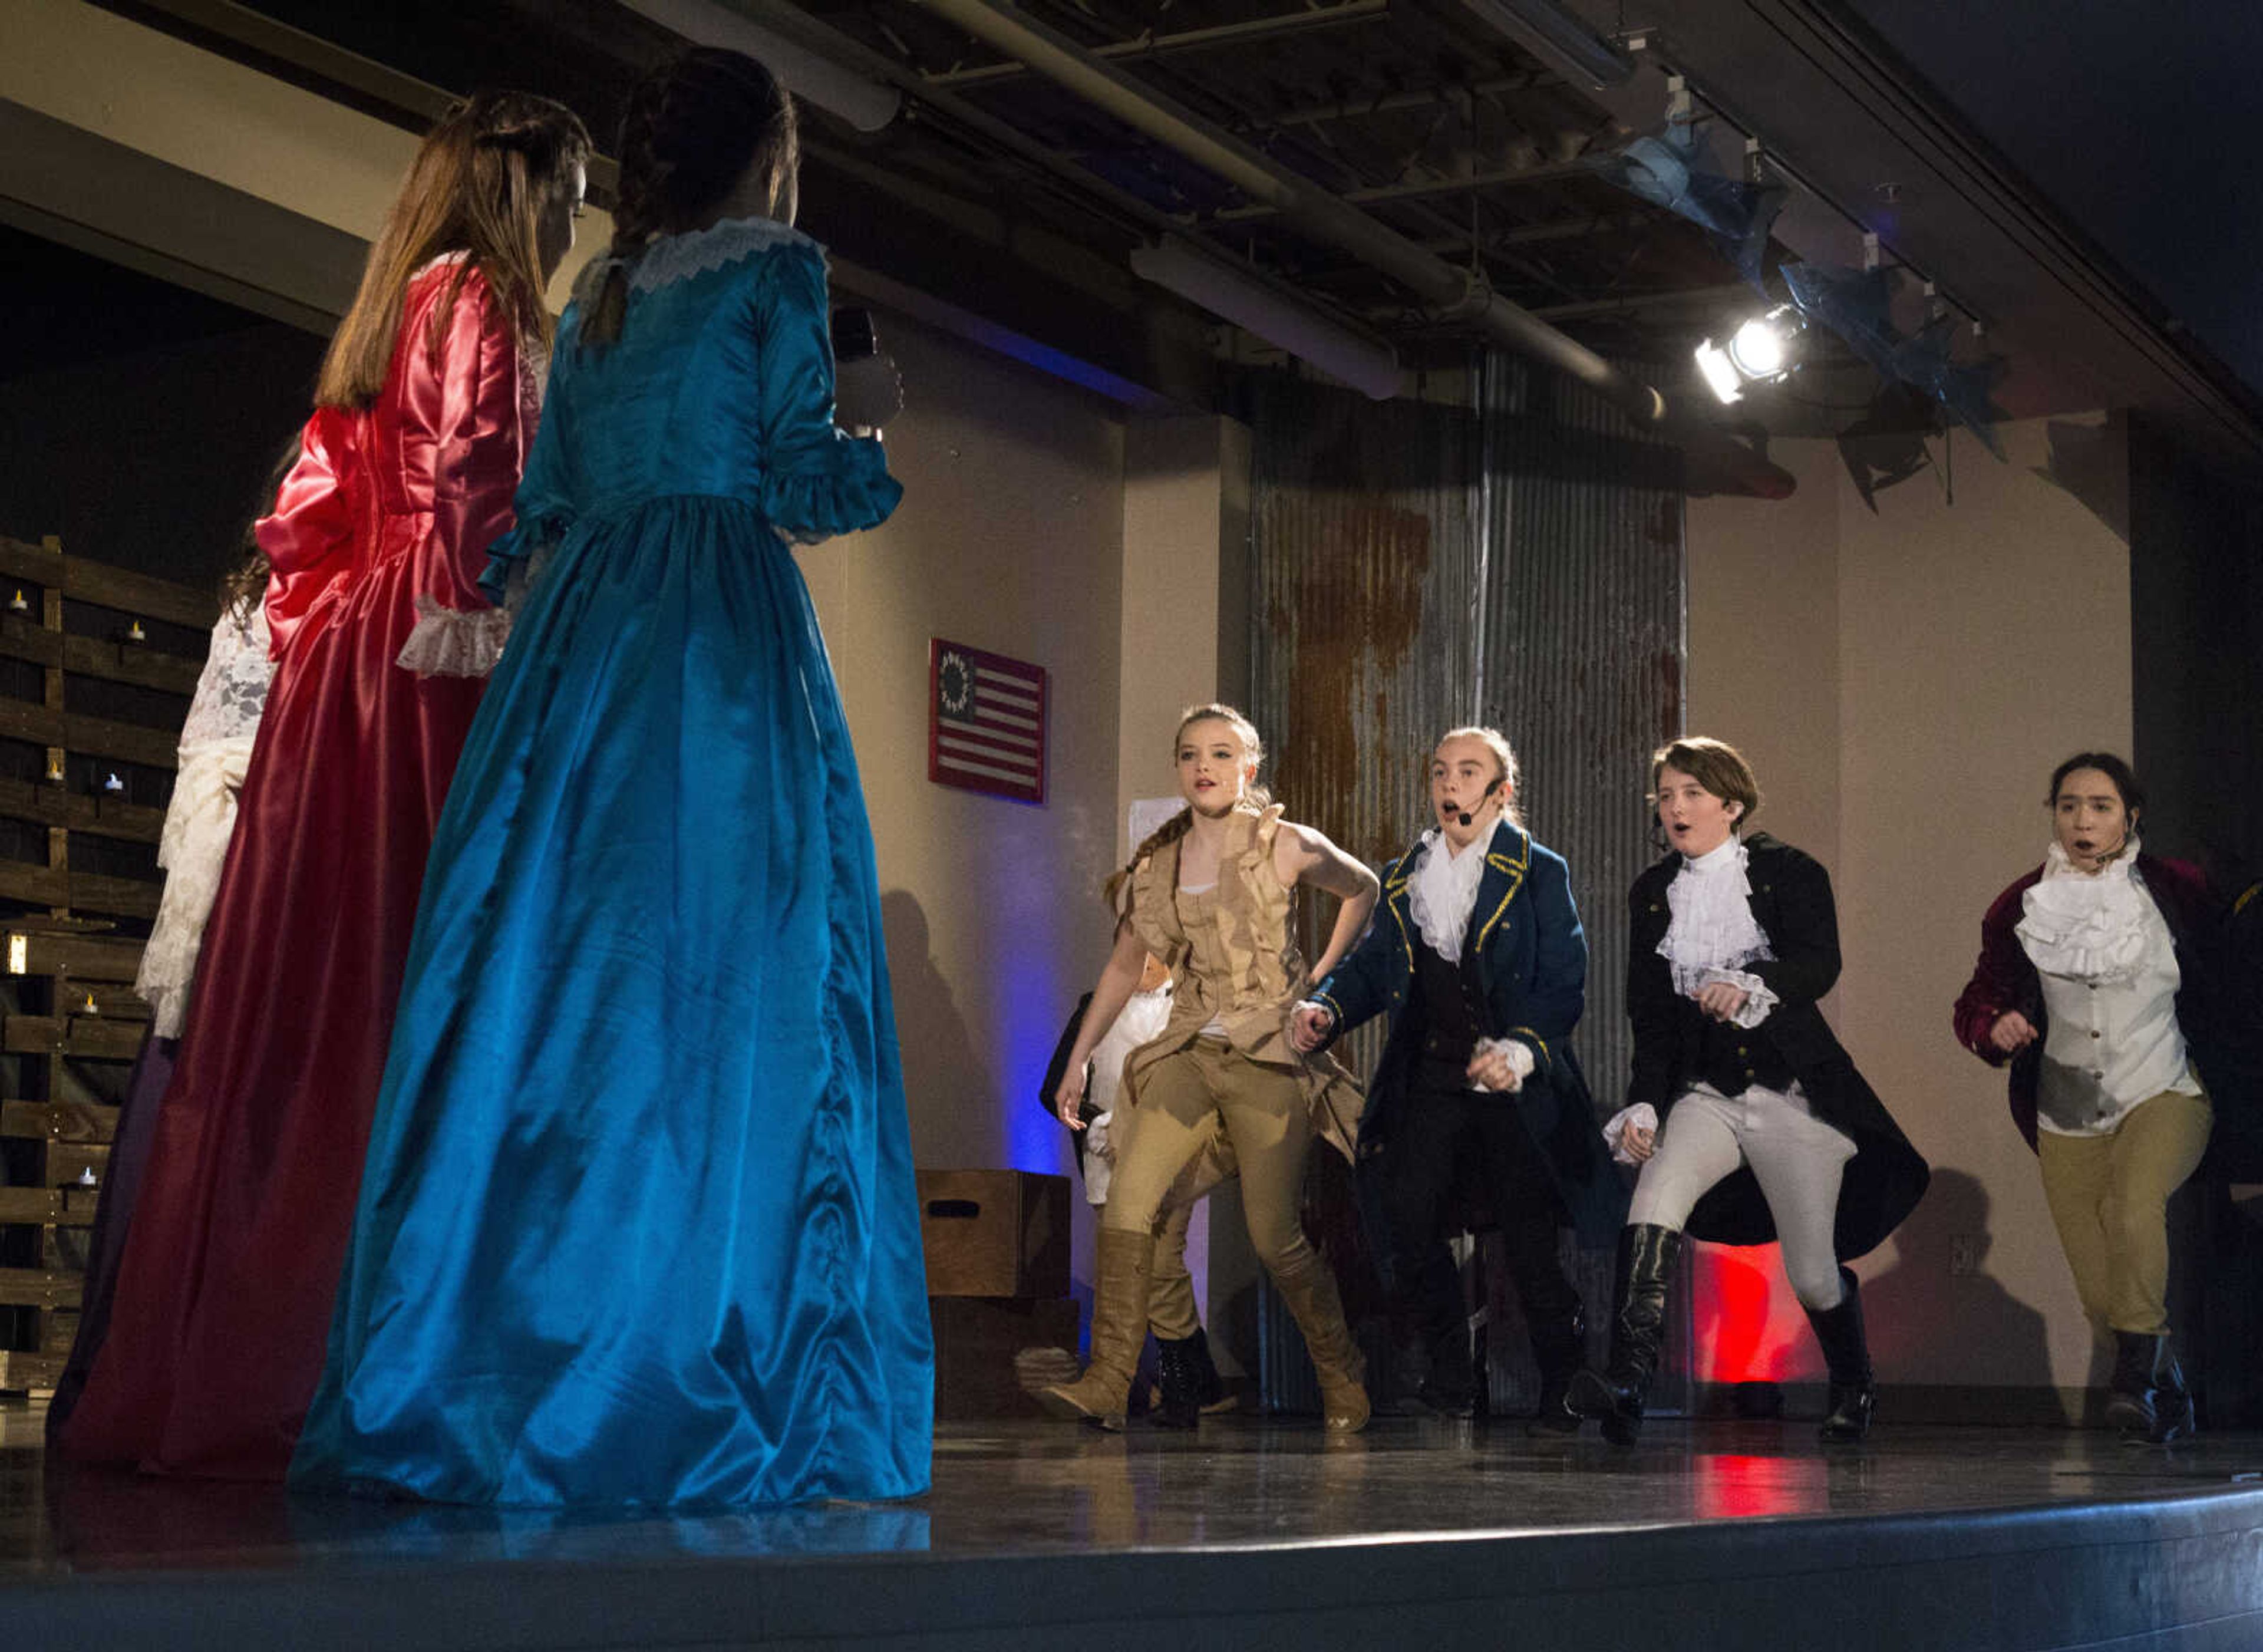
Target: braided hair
693 129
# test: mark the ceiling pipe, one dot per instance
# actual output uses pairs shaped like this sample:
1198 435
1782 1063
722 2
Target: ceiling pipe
865 105
1454 294
1367 363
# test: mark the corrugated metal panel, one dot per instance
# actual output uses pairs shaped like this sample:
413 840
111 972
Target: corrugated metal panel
1518 563
1364 527
1583 659
1582 666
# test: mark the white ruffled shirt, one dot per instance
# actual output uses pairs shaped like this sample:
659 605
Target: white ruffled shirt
1712 934
1444 894
1710 937
2108 967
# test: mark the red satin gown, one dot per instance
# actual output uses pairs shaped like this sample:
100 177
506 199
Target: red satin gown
223 1298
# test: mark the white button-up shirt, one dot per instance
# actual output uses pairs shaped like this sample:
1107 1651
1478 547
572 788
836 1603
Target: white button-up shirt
2122 1034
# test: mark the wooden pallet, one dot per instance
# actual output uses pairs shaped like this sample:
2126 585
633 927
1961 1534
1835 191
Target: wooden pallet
73 1021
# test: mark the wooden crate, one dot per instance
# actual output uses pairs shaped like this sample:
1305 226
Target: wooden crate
995 1233
978 1342
72 1024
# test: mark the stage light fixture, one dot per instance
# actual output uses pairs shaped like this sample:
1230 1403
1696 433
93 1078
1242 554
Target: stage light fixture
1763 351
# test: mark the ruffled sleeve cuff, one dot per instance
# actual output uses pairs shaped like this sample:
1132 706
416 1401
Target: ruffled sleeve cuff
454 642
1641 1116
856 492
1759 998
1519 1053
518 555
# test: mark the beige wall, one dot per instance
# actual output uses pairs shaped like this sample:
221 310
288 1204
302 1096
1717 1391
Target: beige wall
1010 538
1185 632
1903 682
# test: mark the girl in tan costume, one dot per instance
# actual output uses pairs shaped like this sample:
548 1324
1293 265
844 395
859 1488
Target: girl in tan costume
1209 894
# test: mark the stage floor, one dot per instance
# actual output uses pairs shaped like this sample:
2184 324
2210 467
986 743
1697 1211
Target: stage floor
1248 1533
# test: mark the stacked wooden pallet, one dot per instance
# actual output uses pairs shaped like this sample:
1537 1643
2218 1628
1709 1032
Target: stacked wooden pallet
96 665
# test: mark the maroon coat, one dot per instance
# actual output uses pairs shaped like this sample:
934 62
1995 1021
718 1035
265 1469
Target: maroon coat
2005 978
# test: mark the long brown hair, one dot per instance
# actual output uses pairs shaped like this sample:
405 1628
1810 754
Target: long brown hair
693 128
1254 796
479 185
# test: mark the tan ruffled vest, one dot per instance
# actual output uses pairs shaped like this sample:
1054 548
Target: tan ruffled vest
1234 961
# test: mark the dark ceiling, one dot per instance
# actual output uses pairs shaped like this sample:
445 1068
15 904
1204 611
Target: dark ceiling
1016 201
2135 120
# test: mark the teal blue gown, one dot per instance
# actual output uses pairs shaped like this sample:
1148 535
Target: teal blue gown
638 1223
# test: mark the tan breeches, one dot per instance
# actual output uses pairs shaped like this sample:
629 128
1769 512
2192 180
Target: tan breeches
1185 1098
2109 1197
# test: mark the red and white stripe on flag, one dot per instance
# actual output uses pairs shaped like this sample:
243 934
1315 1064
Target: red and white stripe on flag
985 722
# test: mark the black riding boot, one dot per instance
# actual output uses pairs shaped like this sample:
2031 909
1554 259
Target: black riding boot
1558 1349
1190 1383
1554 1322
1647 1255
1846 1351
2150 1402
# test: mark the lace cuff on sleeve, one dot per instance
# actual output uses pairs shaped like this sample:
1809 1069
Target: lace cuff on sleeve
1520 1055
854 493
454 641
1759 999
1641 1116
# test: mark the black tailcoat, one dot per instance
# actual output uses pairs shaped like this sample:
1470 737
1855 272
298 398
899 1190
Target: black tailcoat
1791 901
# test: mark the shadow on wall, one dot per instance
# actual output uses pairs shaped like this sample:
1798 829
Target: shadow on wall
2092 462
1924 1298
950 1087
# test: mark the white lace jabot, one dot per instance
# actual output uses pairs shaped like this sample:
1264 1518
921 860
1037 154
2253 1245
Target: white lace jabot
1712 934
1442 892
673 259
2086 925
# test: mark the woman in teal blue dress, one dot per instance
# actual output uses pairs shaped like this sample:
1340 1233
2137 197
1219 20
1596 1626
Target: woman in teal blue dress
638 1223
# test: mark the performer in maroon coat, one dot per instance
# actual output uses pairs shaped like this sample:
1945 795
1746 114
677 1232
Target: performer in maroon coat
2091 985
425 411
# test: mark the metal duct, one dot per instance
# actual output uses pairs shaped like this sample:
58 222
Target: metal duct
1518 563
1369 365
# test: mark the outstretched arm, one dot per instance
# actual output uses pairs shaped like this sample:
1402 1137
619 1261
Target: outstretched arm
1119 979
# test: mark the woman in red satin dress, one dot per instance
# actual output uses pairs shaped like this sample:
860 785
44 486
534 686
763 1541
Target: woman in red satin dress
424 413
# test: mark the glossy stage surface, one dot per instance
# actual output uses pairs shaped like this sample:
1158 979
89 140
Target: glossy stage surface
1249 1534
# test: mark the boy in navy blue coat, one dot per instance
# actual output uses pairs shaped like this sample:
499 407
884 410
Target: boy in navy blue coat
1480 960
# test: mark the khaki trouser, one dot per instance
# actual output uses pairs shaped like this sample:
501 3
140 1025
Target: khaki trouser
1171 1312
1184 1099
2109 1197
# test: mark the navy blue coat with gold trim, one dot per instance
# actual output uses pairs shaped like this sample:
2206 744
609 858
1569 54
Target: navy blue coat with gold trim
1525 963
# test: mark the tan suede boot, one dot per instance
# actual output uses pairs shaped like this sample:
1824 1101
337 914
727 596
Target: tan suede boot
1309 1290
1119 1326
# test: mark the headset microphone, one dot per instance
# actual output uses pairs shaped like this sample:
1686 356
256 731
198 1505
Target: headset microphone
1469 818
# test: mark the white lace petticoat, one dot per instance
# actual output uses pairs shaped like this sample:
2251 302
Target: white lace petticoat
192 850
